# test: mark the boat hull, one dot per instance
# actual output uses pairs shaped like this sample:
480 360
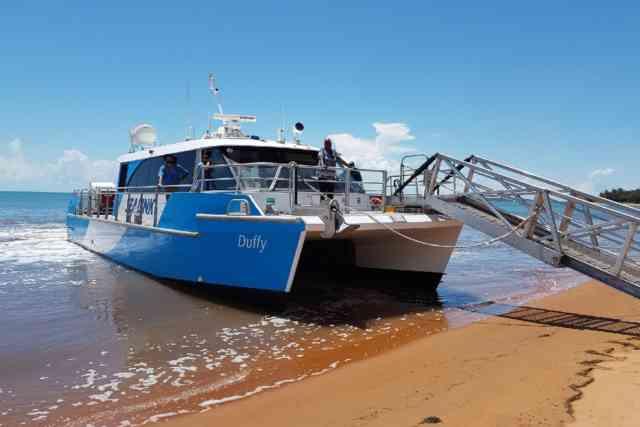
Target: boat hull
262 256
195 242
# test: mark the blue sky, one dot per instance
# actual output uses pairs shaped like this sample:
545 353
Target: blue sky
552 87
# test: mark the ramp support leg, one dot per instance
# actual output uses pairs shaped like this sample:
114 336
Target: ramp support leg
434 176
617 269
534 213
589 220
567 215
552 221
467 185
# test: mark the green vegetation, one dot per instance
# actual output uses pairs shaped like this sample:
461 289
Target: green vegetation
622 196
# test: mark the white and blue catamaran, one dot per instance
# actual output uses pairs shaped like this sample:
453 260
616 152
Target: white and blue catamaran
243 212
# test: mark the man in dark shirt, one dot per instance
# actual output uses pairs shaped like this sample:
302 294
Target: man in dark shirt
202 176
171 173
327 159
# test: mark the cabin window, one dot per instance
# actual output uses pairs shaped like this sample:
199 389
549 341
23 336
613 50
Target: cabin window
146 174
122 176
218 178
187 160
271 155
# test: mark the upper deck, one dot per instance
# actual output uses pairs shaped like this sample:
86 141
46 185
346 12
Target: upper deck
211 142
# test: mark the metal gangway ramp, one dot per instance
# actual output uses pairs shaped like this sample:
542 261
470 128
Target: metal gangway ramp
557 224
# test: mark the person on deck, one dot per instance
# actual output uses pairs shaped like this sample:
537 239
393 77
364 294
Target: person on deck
203 172
171 173
327 160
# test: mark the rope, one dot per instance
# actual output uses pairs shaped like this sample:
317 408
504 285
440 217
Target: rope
436 245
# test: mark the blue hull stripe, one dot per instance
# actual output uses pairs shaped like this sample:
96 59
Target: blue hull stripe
250 254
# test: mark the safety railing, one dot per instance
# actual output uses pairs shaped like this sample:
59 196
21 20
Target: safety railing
95 202
416 187
571 221
293 179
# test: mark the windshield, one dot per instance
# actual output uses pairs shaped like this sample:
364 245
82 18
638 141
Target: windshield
271 155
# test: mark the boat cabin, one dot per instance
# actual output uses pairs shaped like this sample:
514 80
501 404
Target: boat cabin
246 164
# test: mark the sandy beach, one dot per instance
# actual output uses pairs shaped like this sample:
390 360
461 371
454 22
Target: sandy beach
567 358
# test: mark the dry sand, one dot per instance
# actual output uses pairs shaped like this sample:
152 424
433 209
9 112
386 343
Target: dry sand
557 367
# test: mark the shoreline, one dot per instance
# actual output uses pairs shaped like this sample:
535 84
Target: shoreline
515 368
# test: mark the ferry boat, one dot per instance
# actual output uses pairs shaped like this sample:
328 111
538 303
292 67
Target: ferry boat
253 215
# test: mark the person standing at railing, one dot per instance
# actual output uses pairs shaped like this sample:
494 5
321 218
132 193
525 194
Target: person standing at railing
203 173
327 160
171 173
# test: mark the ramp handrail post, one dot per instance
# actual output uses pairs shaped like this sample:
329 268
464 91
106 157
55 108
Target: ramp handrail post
633 228
567 215
472 171
589 220
534 213
552 221
434 175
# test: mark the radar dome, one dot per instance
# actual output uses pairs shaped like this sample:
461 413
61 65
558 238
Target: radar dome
143 135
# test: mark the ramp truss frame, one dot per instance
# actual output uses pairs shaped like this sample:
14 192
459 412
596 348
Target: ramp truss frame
567 227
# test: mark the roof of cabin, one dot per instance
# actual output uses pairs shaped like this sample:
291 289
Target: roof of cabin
198 144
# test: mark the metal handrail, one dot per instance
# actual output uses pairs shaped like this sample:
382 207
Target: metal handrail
306 178
343 175
490 174
610 227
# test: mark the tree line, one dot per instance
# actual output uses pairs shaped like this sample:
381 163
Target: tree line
621 195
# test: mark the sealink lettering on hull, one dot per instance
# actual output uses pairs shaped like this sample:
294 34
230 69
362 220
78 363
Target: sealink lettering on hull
256 242
146 205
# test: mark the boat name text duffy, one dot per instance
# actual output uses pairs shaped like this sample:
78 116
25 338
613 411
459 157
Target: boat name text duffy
257 242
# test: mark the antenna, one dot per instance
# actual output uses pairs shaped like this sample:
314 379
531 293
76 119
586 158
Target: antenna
230 122
190 130
281 130
215 92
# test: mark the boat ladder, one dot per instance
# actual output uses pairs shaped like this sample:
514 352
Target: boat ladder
557 224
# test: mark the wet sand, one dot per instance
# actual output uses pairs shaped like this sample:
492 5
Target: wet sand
562 359
88 342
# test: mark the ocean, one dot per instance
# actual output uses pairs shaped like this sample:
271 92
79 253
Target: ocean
86 341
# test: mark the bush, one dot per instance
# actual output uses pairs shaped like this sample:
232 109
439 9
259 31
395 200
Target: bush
622 196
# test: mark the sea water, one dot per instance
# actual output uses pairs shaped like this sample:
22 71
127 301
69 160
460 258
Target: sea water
86 341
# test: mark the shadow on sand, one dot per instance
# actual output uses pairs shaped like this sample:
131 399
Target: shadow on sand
561 319
325 299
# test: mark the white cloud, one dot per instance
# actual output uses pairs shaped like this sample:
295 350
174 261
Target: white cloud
73 169
381 152
593 184
601 172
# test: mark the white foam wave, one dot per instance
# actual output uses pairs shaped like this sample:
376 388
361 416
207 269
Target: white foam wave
35 243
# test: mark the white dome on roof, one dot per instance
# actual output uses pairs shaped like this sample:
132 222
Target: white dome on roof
143 135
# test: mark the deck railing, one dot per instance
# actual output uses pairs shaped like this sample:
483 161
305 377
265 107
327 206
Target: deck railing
292 178
289 178
95 202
